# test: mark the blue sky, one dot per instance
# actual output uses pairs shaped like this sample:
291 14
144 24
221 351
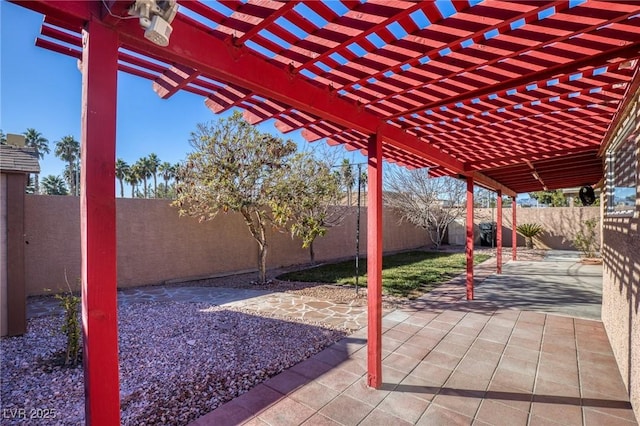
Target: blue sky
42 89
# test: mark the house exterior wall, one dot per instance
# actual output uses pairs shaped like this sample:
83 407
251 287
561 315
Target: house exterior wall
12 288
621 272
621 299
155 245
3 255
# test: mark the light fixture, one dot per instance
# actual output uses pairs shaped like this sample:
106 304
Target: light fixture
155 17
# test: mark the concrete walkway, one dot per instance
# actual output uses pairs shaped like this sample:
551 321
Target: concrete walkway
560 285
447 361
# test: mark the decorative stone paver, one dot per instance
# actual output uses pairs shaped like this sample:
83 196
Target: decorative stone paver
289 305
286 305
447 361
350 316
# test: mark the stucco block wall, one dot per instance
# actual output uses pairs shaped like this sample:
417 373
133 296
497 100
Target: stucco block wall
560 224
621 299
156 245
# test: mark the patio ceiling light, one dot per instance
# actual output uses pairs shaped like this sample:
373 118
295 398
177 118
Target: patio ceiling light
155 17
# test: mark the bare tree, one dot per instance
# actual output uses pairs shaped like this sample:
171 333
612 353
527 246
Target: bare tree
431 203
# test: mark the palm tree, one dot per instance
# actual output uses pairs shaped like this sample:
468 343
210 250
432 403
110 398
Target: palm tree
35 140
348 179
68 149
167 171
144 173
529 231
72 175
54 185
153 162
133 178
122 168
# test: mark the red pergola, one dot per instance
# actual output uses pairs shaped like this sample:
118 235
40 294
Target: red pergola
512 96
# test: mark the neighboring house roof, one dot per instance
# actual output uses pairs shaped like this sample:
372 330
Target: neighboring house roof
15 159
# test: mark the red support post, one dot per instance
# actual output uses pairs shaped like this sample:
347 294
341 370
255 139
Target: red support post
499 233
98 225
469 248
374 262
514 233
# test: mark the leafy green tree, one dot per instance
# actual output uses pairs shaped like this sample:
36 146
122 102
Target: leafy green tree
122 168
54 185
68 150
577 202
550 198
167 172
35 140
153 162
234 167
310 199
3 138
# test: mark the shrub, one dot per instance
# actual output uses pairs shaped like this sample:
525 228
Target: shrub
71 325
528 231
585 240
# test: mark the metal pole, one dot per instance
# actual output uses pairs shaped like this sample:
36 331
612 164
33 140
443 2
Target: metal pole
358 228
76 176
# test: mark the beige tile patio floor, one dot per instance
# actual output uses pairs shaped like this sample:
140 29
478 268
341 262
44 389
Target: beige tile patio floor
448 362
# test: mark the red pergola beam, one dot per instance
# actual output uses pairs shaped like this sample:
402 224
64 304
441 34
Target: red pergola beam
212 57
194 47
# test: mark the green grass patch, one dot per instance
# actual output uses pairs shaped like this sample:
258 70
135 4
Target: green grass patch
407 274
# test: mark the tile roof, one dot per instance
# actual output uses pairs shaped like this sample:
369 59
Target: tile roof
18 159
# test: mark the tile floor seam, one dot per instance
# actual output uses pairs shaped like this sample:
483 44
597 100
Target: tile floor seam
535 379
407 374
575 339
499 360
454 369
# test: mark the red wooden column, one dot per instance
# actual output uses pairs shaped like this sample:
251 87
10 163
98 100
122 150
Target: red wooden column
98 225
374 261
469 247
514 233
499 234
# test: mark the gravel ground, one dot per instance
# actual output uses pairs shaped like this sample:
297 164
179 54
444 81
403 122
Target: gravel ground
173 371
178 361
